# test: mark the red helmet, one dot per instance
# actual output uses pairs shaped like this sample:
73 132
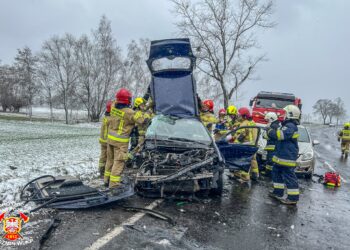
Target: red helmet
123 96
222 112
209 104
244 112
109 106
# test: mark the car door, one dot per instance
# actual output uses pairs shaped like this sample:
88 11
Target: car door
238 154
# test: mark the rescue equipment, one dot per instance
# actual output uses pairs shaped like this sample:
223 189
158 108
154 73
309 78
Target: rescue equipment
332 179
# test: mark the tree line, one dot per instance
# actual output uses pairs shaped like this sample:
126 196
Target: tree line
329 110
74 72
83 72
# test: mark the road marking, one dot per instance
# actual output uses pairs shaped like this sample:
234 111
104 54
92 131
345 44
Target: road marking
333 169
119 229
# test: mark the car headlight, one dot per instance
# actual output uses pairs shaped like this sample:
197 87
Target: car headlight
307 156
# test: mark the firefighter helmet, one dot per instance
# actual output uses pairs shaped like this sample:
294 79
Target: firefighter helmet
232 110
222 112
109 106
244 112
271 117
138 101
209 104
292 112
123 96
347 125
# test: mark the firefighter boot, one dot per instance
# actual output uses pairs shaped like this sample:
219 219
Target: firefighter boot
286 201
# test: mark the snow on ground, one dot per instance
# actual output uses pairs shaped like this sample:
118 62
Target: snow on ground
32 149
58 114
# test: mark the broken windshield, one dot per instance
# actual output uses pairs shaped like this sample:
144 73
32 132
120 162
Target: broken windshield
166 127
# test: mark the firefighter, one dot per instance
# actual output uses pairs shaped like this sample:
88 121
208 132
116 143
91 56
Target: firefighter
140 107
207 114
272 122
344 138
232 115
103 140
123 119
243 136
222 127
286 154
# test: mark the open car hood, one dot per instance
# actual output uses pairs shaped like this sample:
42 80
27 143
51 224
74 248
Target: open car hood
173 90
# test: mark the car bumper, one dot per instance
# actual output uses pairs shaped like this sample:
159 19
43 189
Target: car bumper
196 183
304 167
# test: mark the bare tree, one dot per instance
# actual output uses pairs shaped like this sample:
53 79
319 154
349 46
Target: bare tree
134 73
26 66
47 85
108 58
58 55
339 111
323 107
223 33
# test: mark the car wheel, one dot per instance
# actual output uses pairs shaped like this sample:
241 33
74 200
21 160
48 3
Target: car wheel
220 186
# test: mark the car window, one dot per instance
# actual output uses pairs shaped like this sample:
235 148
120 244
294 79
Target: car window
304 135
166 63
164 127
272 103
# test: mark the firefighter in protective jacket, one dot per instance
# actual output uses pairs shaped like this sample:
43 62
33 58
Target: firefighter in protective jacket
103 140
122 120
344 137
140 108
207 114
286 155
272 122
222 127
244 136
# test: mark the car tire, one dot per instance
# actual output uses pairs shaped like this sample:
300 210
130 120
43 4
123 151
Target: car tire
220 186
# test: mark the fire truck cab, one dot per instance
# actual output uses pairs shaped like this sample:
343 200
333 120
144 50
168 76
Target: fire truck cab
266 102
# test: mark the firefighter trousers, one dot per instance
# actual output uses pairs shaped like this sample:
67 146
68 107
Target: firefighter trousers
103 159
117 155
345 147
284 177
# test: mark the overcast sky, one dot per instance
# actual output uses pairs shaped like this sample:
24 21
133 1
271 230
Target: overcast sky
308 51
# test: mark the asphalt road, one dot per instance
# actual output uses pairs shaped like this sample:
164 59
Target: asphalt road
243 218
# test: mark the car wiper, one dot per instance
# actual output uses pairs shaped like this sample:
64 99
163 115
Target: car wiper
186 140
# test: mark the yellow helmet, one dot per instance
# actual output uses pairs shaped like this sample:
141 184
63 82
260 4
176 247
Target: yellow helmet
347 125
231 110
138 101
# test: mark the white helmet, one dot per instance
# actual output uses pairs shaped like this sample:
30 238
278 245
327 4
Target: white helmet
270 117
292 112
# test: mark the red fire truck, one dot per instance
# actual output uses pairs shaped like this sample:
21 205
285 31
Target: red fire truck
271 102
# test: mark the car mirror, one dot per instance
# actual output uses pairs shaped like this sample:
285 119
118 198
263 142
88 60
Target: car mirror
251 102
315 142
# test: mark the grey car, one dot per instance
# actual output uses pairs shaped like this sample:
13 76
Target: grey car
306 160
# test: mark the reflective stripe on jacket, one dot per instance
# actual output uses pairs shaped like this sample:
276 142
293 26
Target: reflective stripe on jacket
287 149
121 123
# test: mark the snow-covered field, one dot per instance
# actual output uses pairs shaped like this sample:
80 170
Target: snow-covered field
32 149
